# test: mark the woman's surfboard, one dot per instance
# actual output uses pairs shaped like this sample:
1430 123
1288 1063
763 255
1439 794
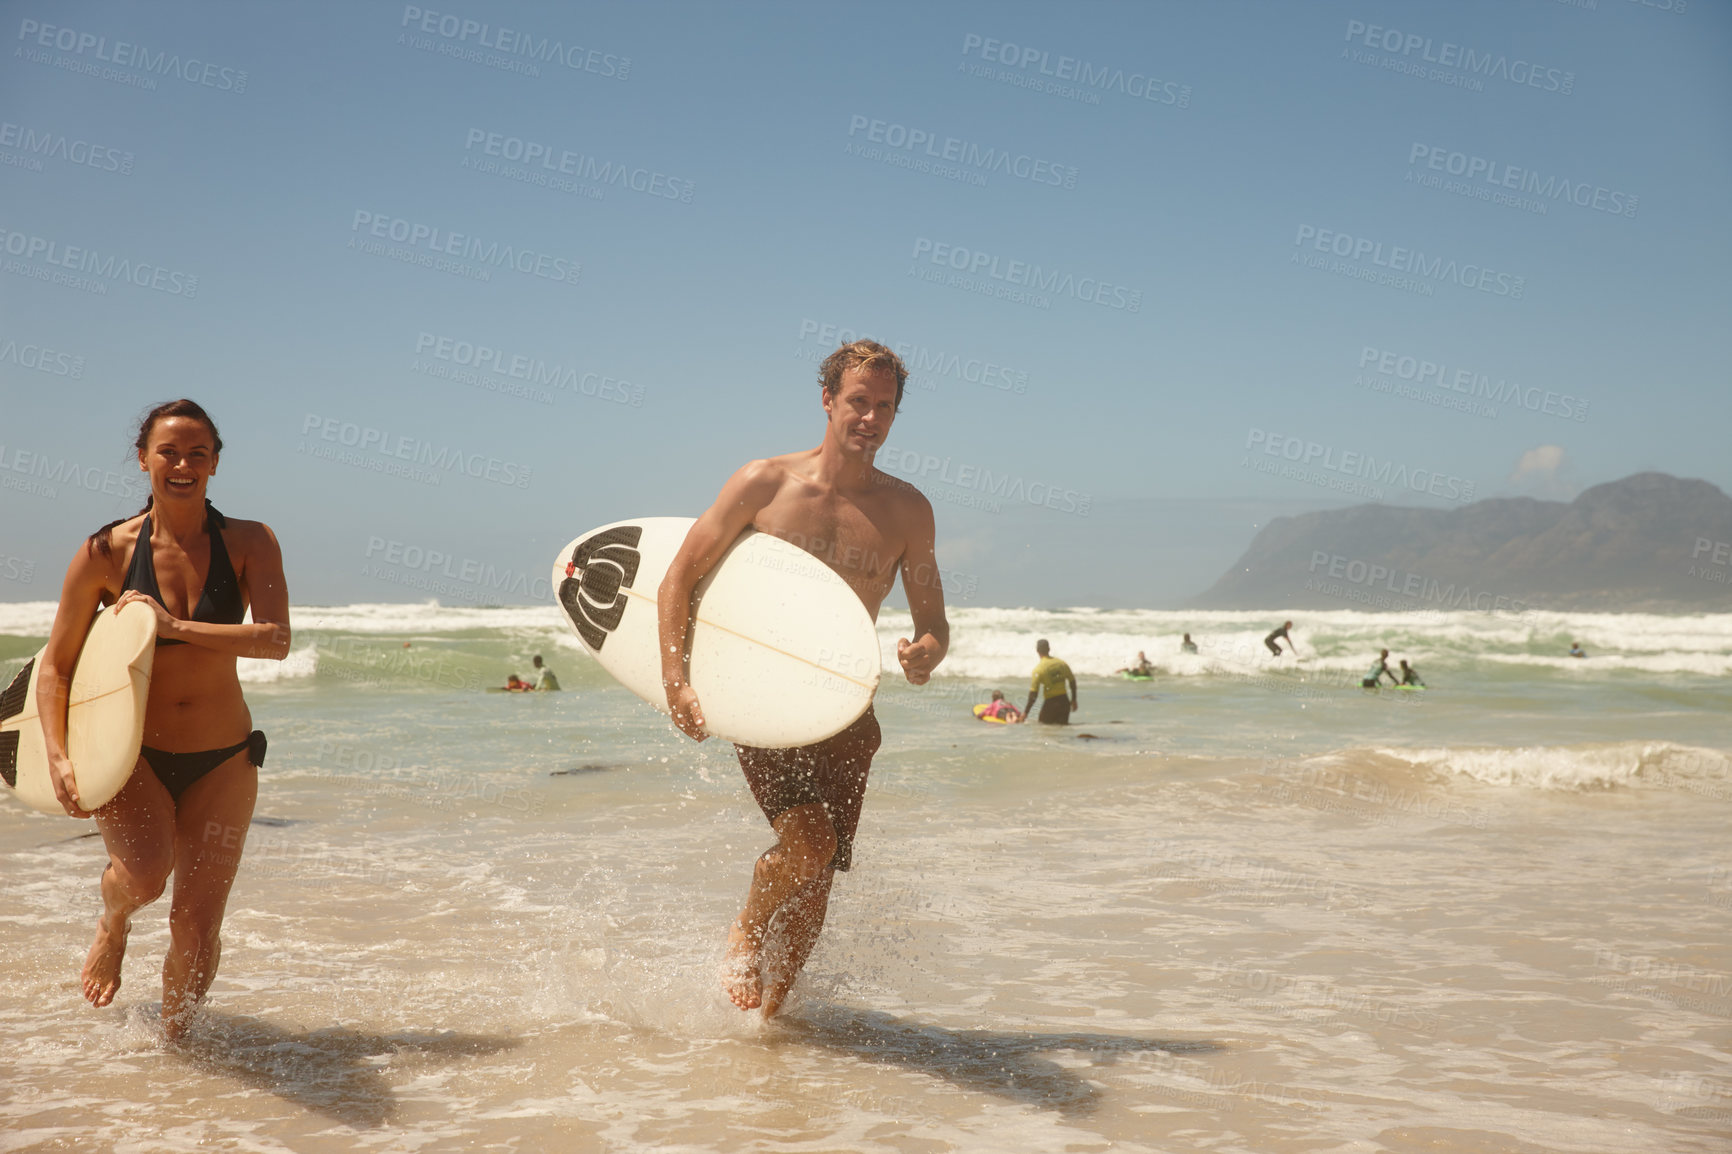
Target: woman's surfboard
104 715
783 651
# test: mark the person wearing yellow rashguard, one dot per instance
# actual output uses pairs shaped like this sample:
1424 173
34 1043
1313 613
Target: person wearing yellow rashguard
1053 676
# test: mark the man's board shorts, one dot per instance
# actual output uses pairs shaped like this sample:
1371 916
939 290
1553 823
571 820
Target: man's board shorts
831 773
1055 710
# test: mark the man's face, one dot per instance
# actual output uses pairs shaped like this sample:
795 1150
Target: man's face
862 410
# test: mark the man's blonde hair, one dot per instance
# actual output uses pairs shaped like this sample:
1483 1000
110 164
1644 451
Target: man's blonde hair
861 355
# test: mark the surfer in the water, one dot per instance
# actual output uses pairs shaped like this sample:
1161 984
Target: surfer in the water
1277 635
1379 670
186 808
868 527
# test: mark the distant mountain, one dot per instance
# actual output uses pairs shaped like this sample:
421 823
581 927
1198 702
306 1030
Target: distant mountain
1648 543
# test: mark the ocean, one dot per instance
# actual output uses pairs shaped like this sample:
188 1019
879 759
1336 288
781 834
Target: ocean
1243 906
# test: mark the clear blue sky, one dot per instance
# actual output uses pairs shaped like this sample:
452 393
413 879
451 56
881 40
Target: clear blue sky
1363 136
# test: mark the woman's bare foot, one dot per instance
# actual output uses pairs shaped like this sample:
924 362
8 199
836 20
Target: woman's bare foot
101 976
741 972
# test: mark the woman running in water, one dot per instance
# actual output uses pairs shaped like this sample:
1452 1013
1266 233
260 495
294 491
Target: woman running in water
186 808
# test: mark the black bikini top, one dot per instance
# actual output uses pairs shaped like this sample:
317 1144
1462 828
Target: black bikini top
219 604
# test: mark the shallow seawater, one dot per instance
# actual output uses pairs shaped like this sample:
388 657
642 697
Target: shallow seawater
1255 909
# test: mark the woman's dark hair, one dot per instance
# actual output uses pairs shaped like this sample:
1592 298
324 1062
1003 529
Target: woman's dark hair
100 540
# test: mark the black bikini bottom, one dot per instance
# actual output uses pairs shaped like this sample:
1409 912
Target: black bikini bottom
177 771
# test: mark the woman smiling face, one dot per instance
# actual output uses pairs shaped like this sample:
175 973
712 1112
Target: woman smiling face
180 456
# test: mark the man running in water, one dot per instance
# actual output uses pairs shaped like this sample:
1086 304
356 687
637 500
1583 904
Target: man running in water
1379 670
868 527
1282 633
1052 675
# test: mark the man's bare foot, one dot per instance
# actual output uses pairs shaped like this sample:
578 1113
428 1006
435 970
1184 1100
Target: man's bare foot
742 977
101 976
177 1018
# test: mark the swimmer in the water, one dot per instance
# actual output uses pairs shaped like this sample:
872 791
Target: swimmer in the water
1282 633
1379 670
1187 645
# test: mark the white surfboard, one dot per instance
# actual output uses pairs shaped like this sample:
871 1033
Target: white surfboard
783 651
104 714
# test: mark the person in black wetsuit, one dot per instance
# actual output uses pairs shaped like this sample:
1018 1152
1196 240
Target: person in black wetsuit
1282 633
1379 670
187 806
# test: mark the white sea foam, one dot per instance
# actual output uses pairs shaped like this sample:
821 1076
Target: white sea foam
992 644
303 662
1593 766
998 643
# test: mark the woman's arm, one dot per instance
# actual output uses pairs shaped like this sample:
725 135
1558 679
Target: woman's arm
87 578
261 579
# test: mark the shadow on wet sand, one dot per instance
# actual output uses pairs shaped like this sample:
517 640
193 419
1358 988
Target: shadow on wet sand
329 1070
1005 1064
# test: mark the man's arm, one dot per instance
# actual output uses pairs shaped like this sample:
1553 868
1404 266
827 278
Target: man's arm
1075 704
925 593
746 492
